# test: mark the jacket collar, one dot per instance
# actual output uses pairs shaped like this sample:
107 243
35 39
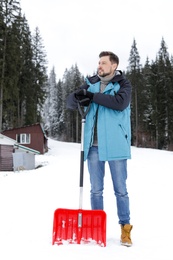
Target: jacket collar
94 79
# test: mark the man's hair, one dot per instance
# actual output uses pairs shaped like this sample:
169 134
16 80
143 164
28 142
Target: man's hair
112 57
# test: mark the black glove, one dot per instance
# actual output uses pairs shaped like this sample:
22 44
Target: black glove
84 97
84 102
83 93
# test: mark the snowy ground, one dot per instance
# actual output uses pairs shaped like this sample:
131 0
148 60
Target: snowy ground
28 200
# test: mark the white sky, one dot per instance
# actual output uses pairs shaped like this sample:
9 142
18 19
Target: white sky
77 31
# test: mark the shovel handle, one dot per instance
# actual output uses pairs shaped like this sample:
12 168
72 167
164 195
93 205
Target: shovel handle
83 115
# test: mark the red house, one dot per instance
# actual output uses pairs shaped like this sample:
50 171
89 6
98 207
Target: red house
32 136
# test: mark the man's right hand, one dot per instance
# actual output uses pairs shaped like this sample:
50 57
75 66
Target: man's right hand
82 98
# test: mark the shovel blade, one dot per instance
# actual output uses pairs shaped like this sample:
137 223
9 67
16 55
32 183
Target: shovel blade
79 226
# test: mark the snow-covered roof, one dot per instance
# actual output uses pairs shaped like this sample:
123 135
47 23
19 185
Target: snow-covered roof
9 141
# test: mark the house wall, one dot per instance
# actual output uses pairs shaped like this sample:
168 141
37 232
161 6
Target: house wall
37 141
6 157
23 161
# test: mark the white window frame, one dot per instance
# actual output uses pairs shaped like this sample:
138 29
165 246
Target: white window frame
23 138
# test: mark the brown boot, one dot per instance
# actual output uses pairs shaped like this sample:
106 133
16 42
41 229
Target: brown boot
125 235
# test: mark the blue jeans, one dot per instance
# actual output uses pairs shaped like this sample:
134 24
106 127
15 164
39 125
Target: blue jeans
118 169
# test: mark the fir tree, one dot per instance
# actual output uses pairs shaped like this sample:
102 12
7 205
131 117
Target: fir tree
60 118
9 12
164 97
134 75
51 105
26 77
36 93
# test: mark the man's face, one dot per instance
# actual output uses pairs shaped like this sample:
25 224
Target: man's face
106 67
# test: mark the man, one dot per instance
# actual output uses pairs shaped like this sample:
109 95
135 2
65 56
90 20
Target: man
107 134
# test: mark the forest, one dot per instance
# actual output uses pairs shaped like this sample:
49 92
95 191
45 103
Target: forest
29 95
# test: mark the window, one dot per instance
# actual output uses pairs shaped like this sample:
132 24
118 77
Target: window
23 138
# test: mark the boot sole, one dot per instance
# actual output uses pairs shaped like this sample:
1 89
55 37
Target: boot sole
126 244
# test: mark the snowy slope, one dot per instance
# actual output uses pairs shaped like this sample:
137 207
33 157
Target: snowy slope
28 200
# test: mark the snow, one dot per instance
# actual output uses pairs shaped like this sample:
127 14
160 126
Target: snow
28 200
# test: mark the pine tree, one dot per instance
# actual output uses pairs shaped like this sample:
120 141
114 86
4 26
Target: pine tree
148 87
60 118
3 33
36 93
50 106
9 12
26 77
13 72
163 97
134 75
159 113
62 124
72 81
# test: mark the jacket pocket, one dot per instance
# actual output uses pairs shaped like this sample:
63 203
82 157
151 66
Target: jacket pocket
124 133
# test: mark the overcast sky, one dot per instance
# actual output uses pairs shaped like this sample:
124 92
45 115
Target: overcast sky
77 31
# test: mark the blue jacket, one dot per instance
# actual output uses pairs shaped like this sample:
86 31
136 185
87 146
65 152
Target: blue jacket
113 121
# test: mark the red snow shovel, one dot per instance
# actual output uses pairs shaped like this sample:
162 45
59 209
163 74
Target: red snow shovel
79 226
